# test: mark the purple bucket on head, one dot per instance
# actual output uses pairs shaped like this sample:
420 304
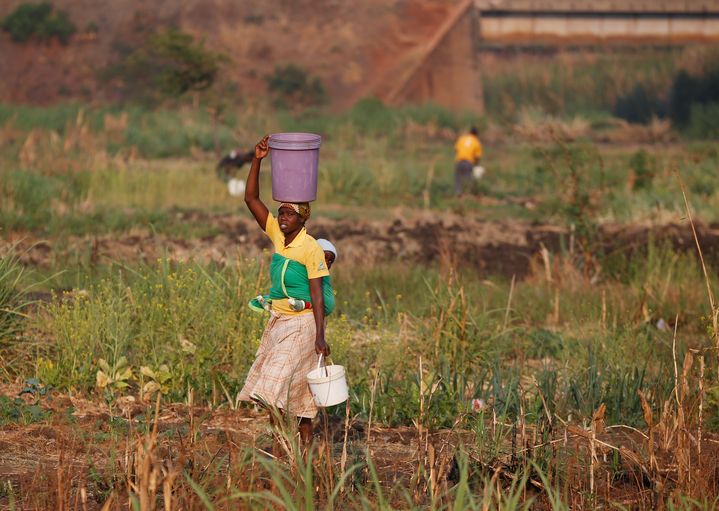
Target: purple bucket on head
295 158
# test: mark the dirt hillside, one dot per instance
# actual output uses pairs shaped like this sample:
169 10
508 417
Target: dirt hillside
349 45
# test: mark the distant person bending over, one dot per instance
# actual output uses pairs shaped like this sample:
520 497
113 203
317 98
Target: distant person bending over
233 161
468 152
292 339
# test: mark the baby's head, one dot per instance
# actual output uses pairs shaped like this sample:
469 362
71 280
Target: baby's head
330 252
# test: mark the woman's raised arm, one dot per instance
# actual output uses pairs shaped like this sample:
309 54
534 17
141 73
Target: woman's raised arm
252 188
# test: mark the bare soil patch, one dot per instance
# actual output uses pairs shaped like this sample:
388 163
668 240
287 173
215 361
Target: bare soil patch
492 248
86 447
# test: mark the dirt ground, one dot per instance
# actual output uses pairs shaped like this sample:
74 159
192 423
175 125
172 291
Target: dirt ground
491 248
87 443
350 46
82 450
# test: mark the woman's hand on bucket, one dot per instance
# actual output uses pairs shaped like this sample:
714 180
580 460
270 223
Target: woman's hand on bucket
321 347
262 147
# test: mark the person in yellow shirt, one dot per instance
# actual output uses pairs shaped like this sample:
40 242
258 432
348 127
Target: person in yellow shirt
292 339
468 152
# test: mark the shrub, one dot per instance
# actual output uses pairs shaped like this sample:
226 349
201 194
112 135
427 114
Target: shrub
642 165
704 120
169 64
690 90
22 23
291 84
684 89
254 19
38 20
639 106
184 64
57 25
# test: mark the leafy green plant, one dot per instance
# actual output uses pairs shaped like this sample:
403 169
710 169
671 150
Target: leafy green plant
35 388
180 316
292 86
22 23
639 106
573 169
688 91
15 410
113 378
169 64
704 123
39 20
643 168
159 380
57 25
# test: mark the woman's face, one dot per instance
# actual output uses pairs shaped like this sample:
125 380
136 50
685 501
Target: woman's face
289 220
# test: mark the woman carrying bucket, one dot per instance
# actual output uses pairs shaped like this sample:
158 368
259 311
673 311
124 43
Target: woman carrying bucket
292 339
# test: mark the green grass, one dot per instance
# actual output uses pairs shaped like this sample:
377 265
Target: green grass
528 183
369 160
576 82
418 343
12 296
194 319
75 171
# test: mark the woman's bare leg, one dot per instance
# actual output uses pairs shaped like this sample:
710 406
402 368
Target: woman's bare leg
305 427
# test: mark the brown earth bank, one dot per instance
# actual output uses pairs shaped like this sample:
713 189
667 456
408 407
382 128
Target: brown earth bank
504 248
349 45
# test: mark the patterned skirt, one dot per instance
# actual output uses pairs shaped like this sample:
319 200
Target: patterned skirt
286 354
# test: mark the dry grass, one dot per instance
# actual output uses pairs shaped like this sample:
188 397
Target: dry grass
535 128
173 457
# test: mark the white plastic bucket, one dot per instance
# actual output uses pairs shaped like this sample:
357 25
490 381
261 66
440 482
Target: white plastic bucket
328 384
477 172
236 187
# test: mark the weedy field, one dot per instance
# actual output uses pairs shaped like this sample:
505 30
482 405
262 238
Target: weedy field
549 342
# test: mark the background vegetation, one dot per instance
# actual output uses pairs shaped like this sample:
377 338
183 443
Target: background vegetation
508 370
40 21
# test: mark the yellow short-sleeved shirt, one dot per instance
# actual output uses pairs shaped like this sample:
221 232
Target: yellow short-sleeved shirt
468 148
304 249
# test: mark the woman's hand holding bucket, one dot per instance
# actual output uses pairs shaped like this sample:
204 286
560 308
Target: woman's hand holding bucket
262 148
321 347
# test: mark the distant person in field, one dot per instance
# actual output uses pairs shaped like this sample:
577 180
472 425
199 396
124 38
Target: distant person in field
232 162
228 167
293 338
468 153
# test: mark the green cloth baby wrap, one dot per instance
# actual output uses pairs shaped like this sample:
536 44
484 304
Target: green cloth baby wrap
289 280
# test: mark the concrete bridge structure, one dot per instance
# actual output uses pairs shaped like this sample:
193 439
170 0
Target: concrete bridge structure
577 21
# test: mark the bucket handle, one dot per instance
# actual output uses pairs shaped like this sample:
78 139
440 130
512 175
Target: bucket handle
319 362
